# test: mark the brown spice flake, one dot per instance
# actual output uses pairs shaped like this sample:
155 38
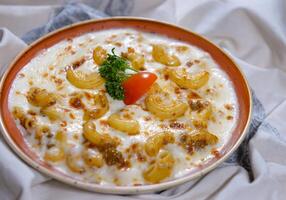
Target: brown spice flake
189 63
103 122
177 90
81 44
118 44
182 49
131 50
63 124
69 50
31 112
220 112
45 75
229 117
185 144
141 157
210 91
163 126
127 150
124 55
76 64
147 118
51 68
228 106
134 146
113 36
197 61
216 153
188 157
193 95
127 116
21 75
58 81
50 145
88 95
72 116
69 39
75 136
166 77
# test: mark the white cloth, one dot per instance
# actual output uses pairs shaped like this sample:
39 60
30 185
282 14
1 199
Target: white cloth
254 34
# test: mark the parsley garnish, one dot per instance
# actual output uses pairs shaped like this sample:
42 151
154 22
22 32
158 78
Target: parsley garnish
113 70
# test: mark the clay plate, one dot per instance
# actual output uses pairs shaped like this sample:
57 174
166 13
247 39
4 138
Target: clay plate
16 141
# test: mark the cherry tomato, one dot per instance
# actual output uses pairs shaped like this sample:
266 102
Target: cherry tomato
137 85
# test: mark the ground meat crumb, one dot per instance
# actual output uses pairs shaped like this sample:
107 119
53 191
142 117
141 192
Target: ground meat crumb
177 125
76 103
198 105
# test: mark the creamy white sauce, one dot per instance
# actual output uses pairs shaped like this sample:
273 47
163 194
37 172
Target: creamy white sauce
58 58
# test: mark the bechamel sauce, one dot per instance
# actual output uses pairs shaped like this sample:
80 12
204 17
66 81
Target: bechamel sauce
219 91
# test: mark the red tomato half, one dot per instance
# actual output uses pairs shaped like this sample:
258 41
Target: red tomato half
137 85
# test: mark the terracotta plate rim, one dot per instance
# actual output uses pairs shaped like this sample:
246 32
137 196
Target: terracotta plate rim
120 189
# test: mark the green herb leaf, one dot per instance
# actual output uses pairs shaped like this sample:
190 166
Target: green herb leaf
113 70
115 90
